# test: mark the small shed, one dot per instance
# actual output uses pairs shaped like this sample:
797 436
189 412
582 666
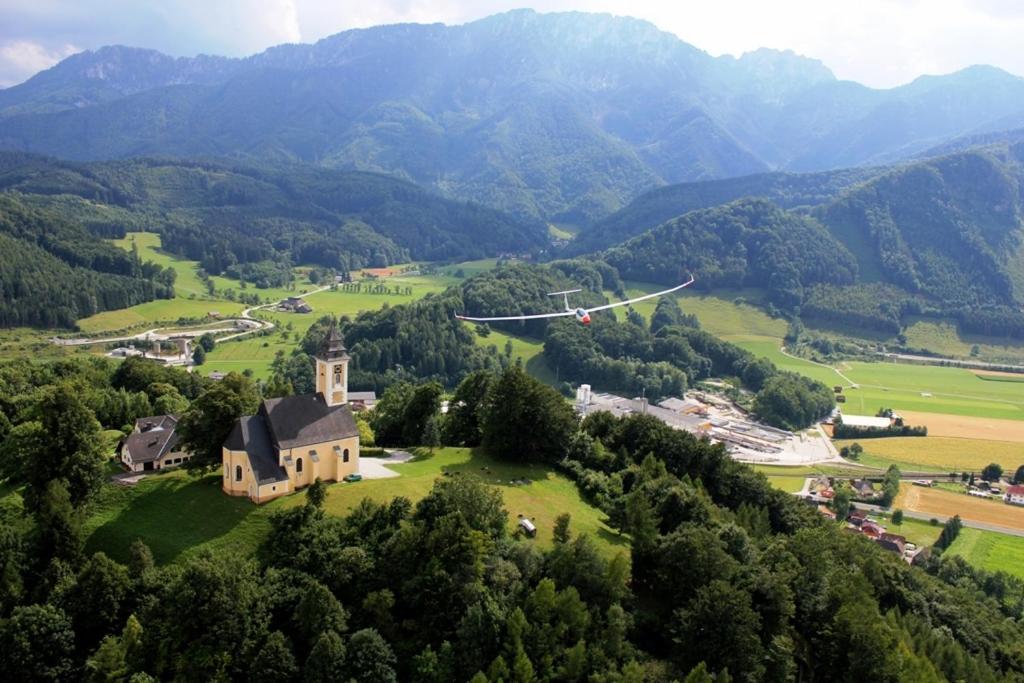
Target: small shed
528 527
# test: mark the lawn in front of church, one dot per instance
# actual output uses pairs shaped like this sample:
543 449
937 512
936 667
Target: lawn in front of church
178 514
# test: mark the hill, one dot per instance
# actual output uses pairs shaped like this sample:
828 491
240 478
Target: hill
562 116
254 220
53 272
651 209
748 243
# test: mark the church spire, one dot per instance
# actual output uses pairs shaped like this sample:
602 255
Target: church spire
333 347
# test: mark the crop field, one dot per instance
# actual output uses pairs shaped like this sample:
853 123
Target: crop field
938 453
968 427
990 550
178 514
939 502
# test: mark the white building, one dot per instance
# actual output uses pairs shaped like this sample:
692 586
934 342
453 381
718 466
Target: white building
867 421
1014 495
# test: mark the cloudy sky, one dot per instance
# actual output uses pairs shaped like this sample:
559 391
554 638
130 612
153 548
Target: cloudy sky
878 42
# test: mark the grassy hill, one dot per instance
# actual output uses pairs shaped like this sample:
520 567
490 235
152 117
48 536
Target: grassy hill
178 514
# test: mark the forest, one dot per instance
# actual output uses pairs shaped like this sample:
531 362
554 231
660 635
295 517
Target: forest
727 578
53 271
227 214
748 243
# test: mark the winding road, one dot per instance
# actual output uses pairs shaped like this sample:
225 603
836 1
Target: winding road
152 334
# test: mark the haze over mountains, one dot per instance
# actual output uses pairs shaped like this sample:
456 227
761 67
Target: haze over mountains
566 117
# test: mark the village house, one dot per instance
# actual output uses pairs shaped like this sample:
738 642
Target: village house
153 445
293 441
362 400
295 305
893 542
1014 495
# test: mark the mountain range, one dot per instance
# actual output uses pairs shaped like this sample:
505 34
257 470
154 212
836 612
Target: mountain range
564 117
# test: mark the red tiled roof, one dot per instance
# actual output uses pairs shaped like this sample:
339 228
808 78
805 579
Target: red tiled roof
1016 490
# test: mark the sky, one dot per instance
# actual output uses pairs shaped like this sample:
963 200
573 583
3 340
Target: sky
881 43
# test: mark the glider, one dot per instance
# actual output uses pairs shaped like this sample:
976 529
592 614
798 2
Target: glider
581 314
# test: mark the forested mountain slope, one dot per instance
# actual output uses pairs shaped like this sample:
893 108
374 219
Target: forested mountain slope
651 209
561 116
53 272
748 243
223 214
941 237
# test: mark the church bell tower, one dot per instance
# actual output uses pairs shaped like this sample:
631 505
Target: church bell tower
332 369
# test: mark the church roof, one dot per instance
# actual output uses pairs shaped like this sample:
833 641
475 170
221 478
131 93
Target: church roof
295 421
250 434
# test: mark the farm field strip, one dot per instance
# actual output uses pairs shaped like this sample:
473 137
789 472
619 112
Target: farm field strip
939 502
968 427
938 453
990 550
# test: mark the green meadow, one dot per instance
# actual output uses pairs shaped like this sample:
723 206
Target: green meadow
990 550
178 514
922 388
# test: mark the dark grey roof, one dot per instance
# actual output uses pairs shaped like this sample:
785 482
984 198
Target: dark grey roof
333 347
307 419
251 435
155 437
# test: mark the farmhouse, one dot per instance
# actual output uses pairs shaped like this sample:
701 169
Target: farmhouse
1014 495
296 305
293 441
153 445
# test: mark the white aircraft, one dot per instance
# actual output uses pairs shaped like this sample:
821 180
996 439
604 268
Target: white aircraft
581 314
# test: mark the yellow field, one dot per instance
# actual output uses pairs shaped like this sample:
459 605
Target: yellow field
967 427
942 453
939 502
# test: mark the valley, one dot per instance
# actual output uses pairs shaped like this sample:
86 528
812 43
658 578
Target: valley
375 355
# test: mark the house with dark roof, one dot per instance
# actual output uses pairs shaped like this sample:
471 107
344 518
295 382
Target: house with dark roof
154 444
292 441
893 542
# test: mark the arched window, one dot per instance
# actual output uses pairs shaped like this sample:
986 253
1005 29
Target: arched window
344 455
298 465
238 473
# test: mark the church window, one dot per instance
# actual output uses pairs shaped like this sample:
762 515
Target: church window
238 473
298 464
344 455
337 375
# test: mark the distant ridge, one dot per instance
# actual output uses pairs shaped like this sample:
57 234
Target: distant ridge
565 116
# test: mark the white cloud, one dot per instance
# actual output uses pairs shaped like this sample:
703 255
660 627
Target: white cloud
20 59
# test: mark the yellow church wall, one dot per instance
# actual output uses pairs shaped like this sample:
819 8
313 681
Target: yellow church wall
330 467
231 460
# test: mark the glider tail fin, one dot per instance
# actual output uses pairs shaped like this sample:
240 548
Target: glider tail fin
565 294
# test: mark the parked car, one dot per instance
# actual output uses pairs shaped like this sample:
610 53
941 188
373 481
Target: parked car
354 477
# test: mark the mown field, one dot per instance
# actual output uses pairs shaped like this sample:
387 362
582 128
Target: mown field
178 514
939 454
990 550
935 501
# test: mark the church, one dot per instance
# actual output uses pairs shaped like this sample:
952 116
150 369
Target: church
291 441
